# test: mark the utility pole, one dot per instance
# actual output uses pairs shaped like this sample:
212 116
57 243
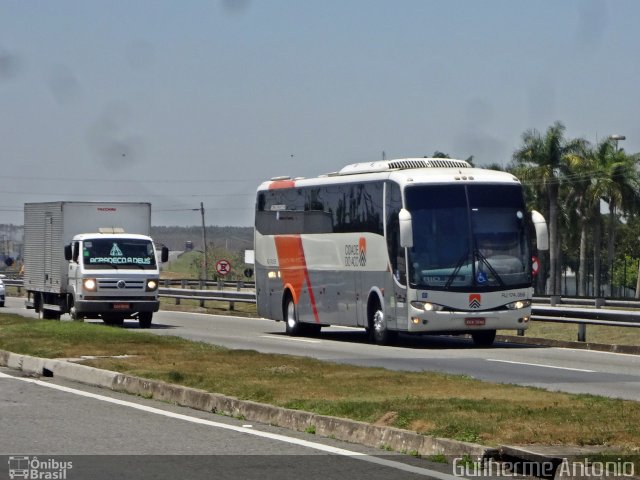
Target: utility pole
205 265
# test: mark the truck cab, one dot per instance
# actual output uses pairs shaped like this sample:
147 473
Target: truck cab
113 276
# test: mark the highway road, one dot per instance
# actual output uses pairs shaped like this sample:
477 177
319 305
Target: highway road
57 427
558 369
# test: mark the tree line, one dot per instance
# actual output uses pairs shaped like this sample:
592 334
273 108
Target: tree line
590 195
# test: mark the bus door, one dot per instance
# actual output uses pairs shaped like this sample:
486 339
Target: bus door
395 290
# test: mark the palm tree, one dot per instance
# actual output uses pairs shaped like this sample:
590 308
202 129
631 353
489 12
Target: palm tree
583 201
601 173
620 187
542 161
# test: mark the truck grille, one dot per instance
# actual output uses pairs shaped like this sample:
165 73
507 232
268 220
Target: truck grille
118 284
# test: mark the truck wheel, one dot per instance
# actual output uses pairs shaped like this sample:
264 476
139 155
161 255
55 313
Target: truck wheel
44 314
144 319
484 338
73 313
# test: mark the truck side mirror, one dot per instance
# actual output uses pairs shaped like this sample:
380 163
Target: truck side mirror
542 234
164 254
68 253
406 229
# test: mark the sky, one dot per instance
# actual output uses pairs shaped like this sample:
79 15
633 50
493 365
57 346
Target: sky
181 102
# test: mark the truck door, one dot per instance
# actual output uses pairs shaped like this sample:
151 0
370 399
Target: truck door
74 266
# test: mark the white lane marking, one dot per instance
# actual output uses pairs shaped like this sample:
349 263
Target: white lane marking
541 365
271 436
580 350
289 339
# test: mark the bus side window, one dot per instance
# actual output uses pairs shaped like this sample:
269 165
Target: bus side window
396 253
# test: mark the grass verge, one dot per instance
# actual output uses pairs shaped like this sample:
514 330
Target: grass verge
448 406
595 333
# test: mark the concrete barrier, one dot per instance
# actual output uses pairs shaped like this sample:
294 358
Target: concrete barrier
339 428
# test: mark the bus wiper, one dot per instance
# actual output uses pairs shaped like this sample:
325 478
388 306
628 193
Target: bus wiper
484 260
457 268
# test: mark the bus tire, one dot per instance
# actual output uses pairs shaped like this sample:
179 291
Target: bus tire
291 321
483 338
378 331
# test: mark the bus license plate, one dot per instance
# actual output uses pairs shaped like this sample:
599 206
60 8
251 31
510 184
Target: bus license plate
471 322
121 306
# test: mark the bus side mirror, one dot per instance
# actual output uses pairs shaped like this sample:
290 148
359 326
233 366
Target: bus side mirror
164 254
406 229
67 253
542 234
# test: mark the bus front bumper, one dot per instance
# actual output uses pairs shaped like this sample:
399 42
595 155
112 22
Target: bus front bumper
425 322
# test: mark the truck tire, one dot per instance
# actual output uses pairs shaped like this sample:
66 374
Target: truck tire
145 319
75 316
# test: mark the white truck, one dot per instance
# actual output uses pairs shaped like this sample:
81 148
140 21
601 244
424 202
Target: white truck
91 260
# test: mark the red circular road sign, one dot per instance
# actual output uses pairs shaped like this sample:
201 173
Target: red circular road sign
535 265
223 267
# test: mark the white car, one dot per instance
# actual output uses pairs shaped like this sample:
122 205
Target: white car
2 291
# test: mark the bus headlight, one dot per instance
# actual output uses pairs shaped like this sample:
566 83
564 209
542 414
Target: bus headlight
518 305
152 285
89 284
427 306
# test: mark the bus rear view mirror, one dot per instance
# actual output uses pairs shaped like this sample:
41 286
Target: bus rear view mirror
406 229
542 234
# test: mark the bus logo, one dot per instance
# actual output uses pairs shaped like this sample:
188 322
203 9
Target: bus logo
475 300
355 255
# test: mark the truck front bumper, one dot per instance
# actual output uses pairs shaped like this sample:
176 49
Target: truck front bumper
120 306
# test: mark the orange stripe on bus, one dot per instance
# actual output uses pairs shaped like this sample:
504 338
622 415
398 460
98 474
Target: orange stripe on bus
293 268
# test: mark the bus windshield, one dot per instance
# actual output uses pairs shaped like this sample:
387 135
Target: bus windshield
468 236
115 252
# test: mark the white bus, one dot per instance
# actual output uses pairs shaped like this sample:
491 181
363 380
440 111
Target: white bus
417 245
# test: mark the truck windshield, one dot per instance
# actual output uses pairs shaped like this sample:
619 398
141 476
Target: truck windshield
107 253
468 236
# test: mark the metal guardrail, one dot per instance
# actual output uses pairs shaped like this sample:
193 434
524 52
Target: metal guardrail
220 284
597 302
208 295
544 309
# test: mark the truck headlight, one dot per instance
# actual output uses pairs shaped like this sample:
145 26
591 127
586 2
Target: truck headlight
152 285
518 305
89 284
427 306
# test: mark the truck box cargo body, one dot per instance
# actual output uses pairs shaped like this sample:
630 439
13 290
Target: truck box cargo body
91 259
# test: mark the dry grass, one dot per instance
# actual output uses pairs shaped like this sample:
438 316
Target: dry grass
595 333
443 405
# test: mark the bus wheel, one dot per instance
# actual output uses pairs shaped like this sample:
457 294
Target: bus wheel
378 331
484 338
293 326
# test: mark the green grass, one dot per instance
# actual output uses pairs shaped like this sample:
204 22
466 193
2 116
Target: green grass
595 333
449 406
186 265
